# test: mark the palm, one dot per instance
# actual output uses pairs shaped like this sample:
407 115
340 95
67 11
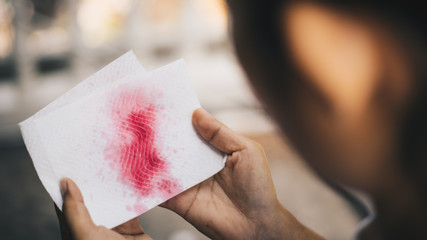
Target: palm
225 205
130 230
210 199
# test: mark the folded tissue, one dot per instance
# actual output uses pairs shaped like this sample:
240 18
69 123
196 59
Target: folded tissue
125 137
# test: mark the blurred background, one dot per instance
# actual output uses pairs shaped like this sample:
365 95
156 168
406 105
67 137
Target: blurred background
48 46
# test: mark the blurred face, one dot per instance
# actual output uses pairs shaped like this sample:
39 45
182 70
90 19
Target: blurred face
359 71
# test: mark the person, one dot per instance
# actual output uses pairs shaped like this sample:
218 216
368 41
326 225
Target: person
345 81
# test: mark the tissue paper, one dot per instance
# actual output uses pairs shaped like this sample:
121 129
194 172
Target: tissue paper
127 140
113 72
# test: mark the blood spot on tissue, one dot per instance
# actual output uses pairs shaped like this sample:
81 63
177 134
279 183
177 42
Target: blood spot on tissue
168 188
139 208
134 152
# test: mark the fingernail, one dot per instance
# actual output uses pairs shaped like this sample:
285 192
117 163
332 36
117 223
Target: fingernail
63 187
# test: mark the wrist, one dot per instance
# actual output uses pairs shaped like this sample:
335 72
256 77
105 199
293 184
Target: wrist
279 223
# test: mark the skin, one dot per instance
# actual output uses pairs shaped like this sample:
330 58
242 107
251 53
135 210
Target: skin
357 66
75 222
350 63
347 64
239 202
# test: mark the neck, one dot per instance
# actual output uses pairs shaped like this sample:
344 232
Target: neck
401 212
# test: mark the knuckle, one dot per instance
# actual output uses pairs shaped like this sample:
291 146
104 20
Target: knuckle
73 207
256 150
254 146
102 228
68 204
214 133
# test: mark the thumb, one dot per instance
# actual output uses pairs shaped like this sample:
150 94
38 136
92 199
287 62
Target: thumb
76 214
216 133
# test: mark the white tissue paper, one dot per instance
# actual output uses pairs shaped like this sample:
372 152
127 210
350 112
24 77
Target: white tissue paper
125 137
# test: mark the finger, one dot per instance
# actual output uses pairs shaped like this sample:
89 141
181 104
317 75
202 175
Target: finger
76 214
65 230
216 133
131 227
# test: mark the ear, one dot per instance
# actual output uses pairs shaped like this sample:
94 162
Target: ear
339 55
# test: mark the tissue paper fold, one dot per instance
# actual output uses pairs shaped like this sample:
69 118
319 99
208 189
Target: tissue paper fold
125 137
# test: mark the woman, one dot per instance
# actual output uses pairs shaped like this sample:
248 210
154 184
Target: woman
345 82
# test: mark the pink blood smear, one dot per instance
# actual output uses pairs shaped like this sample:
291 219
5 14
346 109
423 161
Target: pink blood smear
134 153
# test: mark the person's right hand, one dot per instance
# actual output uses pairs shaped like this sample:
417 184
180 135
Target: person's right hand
240 201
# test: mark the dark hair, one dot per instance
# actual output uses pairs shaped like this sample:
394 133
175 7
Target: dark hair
259 46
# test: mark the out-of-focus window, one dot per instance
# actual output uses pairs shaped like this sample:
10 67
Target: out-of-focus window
102 22
7 31
48 36
7 40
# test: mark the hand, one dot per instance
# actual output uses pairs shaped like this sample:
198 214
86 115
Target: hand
240 201
75 221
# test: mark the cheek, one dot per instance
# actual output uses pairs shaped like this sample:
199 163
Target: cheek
355 155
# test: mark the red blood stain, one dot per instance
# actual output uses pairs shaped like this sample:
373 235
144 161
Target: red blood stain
134 153
140 161
138 207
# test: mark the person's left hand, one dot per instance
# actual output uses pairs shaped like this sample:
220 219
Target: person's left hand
75 221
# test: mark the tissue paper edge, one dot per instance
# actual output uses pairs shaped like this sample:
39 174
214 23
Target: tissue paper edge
38 166
97 79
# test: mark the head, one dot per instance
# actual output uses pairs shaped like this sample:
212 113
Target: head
345 82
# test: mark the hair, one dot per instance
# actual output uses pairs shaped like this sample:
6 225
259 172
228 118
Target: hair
275 79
